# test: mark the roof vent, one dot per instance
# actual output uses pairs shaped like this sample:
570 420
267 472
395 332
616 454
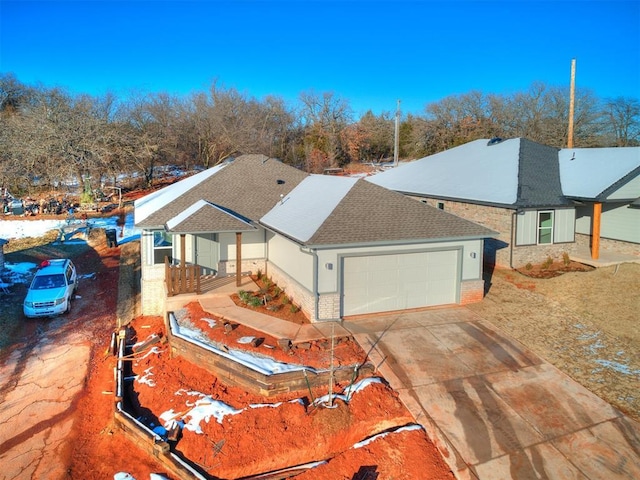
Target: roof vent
280 182
494 141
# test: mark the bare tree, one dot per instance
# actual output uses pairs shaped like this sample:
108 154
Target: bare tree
323 119
622 121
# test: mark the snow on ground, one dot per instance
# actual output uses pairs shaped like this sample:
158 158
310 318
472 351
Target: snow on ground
17 229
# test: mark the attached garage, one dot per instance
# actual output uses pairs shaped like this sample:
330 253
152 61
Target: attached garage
399 281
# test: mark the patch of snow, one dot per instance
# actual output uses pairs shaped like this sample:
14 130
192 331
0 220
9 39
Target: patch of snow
17 229
259 363
146 378
618 367
384 434
245 340
209 321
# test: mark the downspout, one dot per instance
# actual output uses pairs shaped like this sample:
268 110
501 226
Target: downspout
513 242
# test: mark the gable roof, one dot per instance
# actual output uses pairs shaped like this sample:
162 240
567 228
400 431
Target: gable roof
316 210
205 217
314 200
594 173
372 214
247 187
328 210
514 173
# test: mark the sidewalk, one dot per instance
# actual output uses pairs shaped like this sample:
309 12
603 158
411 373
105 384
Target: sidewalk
222 306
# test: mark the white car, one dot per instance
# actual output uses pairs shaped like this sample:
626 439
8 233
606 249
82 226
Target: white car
52 289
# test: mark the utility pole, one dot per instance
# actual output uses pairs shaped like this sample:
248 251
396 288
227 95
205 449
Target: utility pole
396 143
572 94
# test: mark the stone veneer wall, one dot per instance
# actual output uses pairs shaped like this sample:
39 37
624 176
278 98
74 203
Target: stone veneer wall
298 294
251 266
153 291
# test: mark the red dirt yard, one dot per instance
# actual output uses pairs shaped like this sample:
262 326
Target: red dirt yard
260 438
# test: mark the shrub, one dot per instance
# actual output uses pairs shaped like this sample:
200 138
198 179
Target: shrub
259 274
566 260
244 296
547 263
293 308
528 266
277 291
254 301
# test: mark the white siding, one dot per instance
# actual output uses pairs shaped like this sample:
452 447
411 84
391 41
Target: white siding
252 245
291 260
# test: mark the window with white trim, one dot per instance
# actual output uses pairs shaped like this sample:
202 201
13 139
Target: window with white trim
162 246
545 226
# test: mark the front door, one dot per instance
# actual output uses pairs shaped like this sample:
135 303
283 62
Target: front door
207 253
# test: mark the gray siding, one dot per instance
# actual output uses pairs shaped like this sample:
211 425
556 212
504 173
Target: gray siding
527 228
564 225
630 189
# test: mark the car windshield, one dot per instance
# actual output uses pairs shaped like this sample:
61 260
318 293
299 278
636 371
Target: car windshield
42 282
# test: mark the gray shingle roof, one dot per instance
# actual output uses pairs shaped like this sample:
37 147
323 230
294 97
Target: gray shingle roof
249 187
516 173
204 217
253 187
372 214
538 176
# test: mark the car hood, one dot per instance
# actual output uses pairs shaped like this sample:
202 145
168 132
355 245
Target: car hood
45 295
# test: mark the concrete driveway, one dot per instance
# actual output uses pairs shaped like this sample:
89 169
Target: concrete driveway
494 408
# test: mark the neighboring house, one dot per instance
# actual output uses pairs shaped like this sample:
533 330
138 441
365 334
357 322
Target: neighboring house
339 246
543 201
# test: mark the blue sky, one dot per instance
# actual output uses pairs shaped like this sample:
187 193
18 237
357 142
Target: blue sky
370 53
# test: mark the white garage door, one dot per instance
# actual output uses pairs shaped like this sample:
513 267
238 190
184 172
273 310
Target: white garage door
382 283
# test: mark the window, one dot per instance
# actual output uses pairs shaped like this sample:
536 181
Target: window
441 205
162 246
545 227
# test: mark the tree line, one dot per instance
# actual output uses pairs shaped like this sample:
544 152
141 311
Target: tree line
48 134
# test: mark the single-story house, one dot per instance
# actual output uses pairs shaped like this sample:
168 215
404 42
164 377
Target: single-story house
544 201
339 246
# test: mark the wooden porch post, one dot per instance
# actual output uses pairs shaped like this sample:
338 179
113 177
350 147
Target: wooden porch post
238 259
183 265
595 231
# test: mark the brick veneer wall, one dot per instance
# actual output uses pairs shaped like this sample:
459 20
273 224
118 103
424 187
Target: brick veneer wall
298 294
499 219
471 291
500 251
627 248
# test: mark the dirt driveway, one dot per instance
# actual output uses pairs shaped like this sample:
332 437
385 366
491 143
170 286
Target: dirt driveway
584 323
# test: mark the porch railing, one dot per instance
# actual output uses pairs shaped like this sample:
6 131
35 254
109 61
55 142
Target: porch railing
181 278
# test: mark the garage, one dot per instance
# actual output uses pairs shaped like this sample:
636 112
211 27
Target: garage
382 283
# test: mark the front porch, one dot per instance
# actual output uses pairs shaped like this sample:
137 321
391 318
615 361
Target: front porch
606 258
211 286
